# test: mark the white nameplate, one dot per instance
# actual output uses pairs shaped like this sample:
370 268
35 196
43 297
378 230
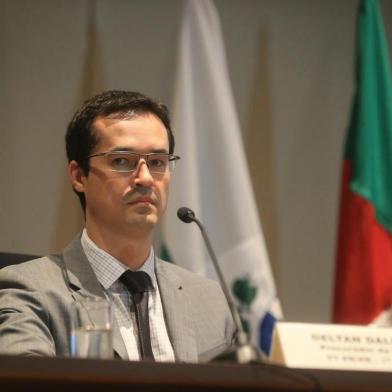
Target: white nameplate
331 346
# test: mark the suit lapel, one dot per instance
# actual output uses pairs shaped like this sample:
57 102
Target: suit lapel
83 284
176 309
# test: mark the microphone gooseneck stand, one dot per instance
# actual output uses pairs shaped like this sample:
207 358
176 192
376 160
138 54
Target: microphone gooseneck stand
242 351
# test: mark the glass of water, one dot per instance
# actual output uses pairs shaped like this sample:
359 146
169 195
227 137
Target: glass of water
91 335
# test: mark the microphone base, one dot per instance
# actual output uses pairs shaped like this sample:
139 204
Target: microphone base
241 354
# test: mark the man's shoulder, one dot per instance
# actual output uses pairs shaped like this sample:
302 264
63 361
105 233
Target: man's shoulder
35 262
46 264
185 275
42 267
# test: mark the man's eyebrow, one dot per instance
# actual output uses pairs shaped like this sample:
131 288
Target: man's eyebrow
128 149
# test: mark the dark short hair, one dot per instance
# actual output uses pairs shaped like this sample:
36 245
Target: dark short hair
81 138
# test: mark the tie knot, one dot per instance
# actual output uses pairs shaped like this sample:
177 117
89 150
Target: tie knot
136 281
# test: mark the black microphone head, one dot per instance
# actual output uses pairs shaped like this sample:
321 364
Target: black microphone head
186 214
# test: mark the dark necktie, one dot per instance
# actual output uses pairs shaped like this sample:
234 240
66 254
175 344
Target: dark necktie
138 283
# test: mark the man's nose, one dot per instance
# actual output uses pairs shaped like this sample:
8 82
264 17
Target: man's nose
143 175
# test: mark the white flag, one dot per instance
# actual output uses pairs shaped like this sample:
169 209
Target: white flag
212 176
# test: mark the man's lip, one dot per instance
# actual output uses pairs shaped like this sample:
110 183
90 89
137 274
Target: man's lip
141 200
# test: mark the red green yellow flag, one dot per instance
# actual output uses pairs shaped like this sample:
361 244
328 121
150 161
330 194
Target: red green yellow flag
363 285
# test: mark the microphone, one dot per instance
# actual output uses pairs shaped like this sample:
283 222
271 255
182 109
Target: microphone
243 351
186 214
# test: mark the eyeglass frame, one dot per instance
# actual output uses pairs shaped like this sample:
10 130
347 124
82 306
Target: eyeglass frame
171 159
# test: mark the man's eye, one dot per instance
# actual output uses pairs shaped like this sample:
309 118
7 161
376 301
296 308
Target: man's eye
156 162
120 162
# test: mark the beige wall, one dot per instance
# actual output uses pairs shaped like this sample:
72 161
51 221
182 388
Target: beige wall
291 65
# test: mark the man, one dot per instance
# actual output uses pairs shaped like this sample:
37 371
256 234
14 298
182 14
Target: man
120 151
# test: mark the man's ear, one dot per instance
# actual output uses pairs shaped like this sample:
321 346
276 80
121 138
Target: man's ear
76 176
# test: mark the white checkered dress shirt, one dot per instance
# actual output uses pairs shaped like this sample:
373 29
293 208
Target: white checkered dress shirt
108 270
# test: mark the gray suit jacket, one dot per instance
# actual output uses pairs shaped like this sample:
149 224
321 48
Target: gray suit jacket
36 299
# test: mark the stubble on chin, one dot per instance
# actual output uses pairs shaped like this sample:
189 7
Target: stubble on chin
141 219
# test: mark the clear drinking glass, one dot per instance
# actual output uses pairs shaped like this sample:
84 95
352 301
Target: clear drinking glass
91 335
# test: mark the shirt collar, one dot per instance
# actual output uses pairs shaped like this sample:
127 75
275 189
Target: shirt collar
107 268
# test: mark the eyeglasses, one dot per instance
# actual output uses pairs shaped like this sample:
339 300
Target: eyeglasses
127 161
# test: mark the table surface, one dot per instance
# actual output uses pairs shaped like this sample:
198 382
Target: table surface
63 374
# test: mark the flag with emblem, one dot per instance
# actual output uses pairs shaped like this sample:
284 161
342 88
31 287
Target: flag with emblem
363 286
212 176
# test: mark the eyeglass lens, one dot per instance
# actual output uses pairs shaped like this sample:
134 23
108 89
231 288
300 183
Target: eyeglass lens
128 161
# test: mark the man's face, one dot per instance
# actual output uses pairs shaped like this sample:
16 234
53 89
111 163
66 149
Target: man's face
126 202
